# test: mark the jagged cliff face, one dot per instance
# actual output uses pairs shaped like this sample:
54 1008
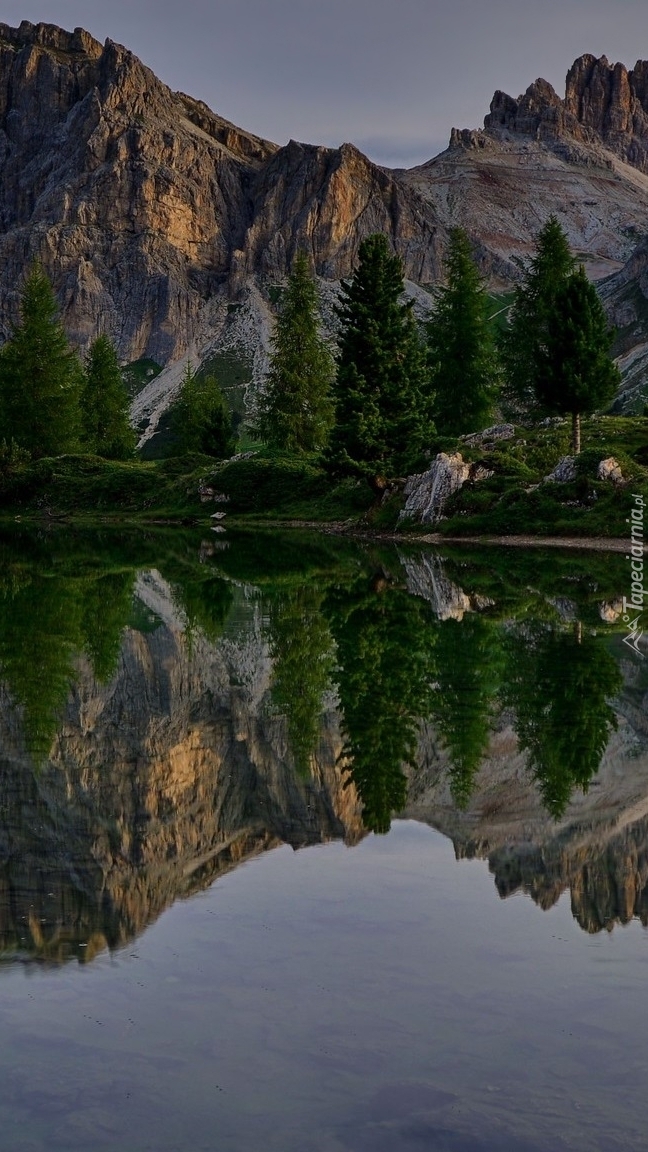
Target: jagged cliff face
151 213
131 196
604 104
583 158
157 782
142 204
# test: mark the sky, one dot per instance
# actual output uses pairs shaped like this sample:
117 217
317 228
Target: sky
391 76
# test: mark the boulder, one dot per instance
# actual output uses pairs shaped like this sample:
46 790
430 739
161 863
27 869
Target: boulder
610 469
497 432
428 492
564 472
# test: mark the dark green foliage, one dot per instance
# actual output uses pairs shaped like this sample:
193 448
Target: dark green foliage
559 685
105 405
523 343
295 408
138 374
302 651
460 343
200 420
383 424
385 675
45 622
468 673
40 377
105 609
205 602
576 373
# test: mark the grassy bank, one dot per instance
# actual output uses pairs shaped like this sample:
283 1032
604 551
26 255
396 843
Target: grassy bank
272 487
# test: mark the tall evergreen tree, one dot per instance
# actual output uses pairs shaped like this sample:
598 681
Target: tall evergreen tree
106 426
200 421
523 342
382 396
385 679
577 374
461 348
295 410
468 676
301 646
559 685
40 376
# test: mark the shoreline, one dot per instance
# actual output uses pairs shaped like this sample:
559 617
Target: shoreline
328 528
342 528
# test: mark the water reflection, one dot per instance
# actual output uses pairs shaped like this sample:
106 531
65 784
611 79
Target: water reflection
168 710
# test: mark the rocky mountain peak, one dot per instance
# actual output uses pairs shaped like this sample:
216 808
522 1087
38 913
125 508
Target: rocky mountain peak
52 38
604 104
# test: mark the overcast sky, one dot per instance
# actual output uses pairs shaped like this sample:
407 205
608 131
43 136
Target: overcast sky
392 76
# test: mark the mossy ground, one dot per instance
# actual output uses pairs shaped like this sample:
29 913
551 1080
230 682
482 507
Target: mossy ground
273 487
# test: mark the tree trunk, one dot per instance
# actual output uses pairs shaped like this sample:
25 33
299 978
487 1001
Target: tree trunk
576 432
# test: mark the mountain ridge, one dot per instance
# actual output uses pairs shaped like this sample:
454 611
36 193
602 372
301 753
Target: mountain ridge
153 215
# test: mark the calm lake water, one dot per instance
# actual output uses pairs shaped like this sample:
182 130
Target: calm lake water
310 847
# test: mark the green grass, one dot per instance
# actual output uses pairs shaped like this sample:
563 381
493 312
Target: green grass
272 486
138 374
90 486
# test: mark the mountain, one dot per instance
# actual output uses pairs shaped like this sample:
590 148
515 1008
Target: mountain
169 226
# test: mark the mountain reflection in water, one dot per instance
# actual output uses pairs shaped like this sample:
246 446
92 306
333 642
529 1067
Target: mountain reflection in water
170 707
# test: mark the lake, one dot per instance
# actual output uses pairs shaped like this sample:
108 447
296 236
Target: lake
314 846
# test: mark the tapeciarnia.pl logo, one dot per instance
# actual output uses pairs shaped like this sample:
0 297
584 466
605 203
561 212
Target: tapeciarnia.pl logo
637 591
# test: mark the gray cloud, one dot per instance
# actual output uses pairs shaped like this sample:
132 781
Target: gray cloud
392 76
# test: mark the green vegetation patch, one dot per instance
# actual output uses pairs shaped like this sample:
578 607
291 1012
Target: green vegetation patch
138 374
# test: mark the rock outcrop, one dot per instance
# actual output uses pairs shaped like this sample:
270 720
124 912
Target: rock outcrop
427 493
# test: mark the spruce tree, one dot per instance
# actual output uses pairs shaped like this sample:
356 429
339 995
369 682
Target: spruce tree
576 373
524 340
382 396
559 685
200 421
295 409
462 354
106 426
40 376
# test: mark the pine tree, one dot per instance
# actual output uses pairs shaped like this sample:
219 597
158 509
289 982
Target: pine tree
106 426
295 410
524 340
200 421
468 676
462 354
576 373
40 376
382 396
558 685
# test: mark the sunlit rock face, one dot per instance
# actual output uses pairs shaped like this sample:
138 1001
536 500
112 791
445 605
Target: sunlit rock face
146 207
157 782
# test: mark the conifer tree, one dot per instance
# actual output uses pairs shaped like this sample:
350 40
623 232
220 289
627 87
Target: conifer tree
559 685
199 418
576 374
40 376
462 354
524 340
295 410
106 426
383 423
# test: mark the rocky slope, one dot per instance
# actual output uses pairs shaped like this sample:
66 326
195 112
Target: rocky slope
165 225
